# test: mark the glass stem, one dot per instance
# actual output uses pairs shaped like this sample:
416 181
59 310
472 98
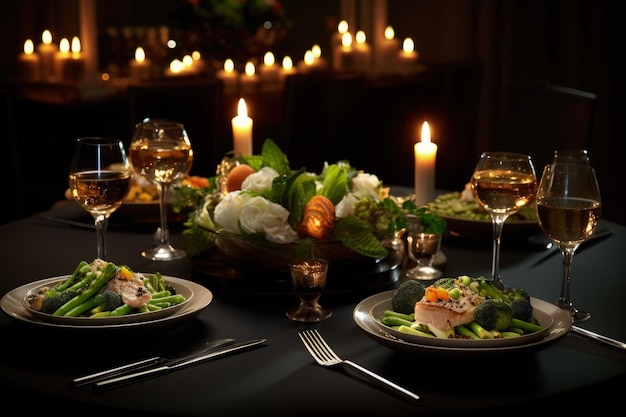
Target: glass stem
498 225
567 253
101 227
163 190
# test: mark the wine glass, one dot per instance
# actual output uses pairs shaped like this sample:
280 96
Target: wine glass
160 151
308 277
568 208
99 180
502 183
423 249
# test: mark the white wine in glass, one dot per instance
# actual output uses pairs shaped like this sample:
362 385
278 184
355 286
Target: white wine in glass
99 181
502 183
160 151
569 209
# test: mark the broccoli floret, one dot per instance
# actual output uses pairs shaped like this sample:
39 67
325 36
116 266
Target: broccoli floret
518 293
54 299
406 295
108 299
493 314
522 309
446 283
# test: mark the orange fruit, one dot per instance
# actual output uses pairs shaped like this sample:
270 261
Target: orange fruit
236 176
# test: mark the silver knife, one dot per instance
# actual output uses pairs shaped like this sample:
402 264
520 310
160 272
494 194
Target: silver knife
174 365
598 337
144 363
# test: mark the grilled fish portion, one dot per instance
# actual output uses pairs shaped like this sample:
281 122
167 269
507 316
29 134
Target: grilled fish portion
449 313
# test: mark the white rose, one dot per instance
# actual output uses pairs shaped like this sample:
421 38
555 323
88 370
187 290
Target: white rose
228 209
259 215
366 185
262 179
346 206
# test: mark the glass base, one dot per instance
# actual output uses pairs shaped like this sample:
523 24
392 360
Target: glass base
578 316
427 273
308 313
164 252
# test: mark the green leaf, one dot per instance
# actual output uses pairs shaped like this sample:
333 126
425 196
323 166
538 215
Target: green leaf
358 236
335 184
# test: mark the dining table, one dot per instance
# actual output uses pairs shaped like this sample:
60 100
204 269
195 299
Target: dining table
279 377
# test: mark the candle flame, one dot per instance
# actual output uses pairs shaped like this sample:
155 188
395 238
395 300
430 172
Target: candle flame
29 47
176 66
64 46
346 40
250 68
317 51
187 61
229 65
425 132
46 37
75 45
242 110
196 55
389 33
309 57
408 45
140 54
269 59
287 63
360 37
342 27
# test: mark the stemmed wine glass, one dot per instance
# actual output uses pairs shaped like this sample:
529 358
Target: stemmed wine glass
160 151
99 180
568 208
502 183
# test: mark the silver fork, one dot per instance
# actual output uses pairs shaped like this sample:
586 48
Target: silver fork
325 356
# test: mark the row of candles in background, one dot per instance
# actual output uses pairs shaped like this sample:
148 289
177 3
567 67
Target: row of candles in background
49 63
425 153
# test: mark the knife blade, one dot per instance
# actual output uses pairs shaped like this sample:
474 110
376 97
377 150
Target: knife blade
598 337
174 365
144 363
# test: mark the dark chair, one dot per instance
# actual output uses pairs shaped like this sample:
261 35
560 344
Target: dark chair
541 117
195 103
322 118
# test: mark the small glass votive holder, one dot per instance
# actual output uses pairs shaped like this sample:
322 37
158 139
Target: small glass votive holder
308 277
422 248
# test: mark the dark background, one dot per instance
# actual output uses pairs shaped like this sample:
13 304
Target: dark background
575 43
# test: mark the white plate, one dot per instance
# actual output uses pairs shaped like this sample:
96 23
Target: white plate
12 304
88 321
367 315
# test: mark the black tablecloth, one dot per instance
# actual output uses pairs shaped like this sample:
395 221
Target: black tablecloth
281 378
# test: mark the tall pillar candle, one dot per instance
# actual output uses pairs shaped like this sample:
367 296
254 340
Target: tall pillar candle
242 130
47 51
29 63
425 158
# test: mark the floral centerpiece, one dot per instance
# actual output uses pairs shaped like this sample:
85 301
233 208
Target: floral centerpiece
269 205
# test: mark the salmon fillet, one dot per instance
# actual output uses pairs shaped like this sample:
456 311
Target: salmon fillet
450 313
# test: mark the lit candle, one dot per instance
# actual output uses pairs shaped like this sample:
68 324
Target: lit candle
176 68
249 81
60 57
407 57
140 67
29 63
425 156
319 62
47 51
228 76
362 52
343 58
74 66
287 69
387 56
242 130
198 63
336 37
269 72
307 64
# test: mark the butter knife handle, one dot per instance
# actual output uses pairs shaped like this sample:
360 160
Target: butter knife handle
88 379
125 379
598 337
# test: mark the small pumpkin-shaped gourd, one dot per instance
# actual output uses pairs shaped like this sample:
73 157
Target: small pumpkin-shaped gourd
318 220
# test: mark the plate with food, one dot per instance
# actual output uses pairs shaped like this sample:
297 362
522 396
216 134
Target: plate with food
465 218
114 297
455 332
